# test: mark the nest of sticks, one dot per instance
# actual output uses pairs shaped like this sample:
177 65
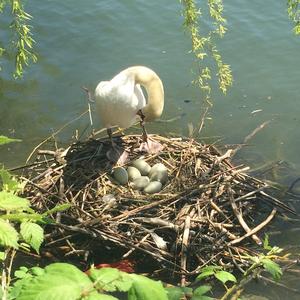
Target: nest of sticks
209 212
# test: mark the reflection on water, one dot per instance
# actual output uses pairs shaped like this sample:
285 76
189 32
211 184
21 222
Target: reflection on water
93 40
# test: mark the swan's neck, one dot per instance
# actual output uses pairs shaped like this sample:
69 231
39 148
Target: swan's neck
155 91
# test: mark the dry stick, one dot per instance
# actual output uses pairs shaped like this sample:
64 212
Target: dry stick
235 262
250 136
134 211
89 104
223 229
184 246
279 203
255 229
53 134
202 120
250 193
242 221
136 245
114 239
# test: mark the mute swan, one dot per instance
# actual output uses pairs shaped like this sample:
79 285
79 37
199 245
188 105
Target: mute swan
121 102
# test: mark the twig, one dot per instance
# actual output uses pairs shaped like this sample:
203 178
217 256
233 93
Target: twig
89 104
255 229
53 134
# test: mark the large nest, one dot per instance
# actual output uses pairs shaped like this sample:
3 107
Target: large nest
207 212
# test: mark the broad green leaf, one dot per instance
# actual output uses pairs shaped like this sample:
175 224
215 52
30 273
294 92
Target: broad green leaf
211 268
33 234
202 297
11 202
177 293
6 140
201 290
20 217
94 295
272 267
205 274
17 287
22 274
199 293
224 276
2 255
9 182
8 235
111 280
144 288
37 271
60 281
174 293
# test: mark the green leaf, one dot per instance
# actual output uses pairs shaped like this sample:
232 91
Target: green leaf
272 267
211 268
202 297
8 235
205 274
208 271
199 293
94 295
224 276
17 287
174 293
22 273
201 290
111 280
9 182
60 281
6 140
266 244
57 208
144 288
21 217
37 271
2 255
33 234
9 201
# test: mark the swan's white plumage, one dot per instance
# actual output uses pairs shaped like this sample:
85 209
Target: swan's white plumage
119 100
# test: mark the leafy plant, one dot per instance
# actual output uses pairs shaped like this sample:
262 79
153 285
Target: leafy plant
218 273
61 281
7 140
22 43
293 9
204 46
179 293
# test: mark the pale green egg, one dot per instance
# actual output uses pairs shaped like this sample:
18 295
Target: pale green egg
153 187
133 173
121 175
142 166
140 183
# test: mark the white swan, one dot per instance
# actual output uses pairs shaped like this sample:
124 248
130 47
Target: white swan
121 100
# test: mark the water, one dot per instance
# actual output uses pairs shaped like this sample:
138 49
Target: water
81 44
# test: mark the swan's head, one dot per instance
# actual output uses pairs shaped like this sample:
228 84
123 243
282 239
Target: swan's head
155 92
